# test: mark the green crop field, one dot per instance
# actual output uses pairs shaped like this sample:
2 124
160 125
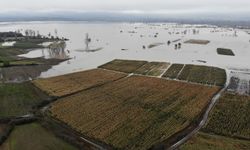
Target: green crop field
34 137
127 66
230 117
205 141
152 68
134 112
203 75
224 51
26 45
173 71
18 99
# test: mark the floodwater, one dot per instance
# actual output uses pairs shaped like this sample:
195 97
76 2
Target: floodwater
131 40
239 82
6 44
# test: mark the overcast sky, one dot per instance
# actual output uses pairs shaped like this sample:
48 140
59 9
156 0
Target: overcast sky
128 6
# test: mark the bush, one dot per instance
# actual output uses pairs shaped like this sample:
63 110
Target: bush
6 63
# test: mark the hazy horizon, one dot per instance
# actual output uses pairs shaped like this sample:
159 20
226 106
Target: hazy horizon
129 6
125 10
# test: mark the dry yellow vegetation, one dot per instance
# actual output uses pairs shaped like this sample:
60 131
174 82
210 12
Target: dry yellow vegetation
71 83
135 112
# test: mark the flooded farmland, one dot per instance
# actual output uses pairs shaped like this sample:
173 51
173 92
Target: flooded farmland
93 44
239 83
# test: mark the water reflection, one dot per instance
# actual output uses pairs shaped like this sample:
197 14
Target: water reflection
87 47
87 41
57 50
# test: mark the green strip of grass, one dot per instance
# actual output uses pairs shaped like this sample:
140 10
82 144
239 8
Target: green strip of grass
204 141
34 137
18 99
26 45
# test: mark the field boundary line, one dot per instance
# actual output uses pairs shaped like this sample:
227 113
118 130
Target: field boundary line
177 77
92 143
164 78
170 64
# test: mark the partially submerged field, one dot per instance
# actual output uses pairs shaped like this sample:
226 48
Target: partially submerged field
239 83
225 51
34 136
195 41
9 53
135 112
27 71
71 83
204 141
18 99
127 66
191 73
230 117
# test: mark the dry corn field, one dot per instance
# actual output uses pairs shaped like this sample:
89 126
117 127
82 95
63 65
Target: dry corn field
135 112
71 83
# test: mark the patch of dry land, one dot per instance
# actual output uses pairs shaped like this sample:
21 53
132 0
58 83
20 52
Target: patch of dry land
194 41
71 83
135 112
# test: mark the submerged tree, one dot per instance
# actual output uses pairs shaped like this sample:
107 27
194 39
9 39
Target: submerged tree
169 42
176 46
179 45
87 41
